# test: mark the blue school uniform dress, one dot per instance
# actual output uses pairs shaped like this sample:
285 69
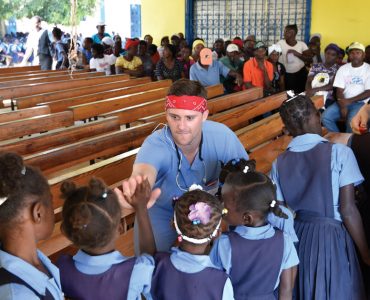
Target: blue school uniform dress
175 176
108 276
35 284
254 257
184 276
329 267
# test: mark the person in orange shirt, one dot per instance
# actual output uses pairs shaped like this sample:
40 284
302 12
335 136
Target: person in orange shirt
258 72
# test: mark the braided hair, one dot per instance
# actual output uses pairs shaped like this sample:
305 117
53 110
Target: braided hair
182 210
296 114
254 191
234 165
91 214
18 185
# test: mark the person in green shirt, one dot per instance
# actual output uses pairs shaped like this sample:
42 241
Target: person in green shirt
233 62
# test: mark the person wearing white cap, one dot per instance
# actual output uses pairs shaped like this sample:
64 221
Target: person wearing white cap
352 82
108 44
278 81
98 38
233 62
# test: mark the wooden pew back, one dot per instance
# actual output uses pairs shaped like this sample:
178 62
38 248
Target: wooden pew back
37 124
34 99
38 88
61 105
35 80
24 113
61 137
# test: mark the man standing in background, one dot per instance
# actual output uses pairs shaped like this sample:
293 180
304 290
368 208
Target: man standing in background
38 43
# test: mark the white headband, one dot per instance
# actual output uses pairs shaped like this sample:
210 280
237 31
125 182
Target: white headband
194 240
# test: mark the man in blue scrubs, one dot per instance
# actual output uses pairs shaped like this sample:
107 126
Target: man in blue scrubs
188 150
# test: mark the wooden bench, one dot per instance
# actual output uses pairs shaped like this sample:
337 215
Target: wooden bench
61 137
84 111
240 116
24 113
214 91
108 144
33 100
19 69
61 105
39 72
217 105
38 88
134 113
20 76
35 80
19 128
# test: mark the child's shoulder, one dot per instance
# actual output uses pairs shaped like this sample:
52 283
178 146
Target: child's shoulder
144 259
16 291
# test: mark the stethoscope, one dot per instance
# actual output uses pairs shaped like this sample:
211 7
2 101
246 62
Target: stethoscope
179 164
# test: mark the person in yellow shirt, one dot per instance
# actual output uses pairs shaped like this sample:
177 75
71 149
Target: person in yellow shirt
130 63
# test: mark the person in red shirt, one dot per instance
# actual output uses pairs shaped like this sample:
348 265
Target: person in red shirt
258 72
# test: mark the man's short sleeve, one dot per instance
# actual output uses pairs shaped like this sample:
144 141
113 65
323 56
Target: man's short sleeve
155 152
339 79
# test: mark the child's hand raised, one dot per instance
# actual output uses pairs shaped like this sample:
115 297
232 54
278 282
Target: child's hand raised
142 194
129 198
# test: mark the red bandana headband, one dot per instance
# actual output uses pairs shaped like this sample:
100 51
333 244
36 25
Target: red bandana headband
186 102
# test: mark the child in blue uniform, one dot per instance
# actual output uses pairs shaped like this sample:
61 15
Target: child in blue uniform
186 272
239 165
26 217
91 220
317 179
258 257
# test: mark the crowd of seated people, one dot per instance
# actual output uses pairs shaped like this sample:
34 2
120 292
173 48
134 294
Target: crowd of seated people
12 49
238 64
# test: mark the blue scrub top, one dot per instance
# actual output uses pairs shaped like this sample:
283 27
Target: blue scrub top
344 167
220 144
28 273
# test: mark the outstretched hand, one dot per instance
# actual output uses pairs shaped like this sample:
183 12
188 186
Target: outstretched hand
136 191
360 120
